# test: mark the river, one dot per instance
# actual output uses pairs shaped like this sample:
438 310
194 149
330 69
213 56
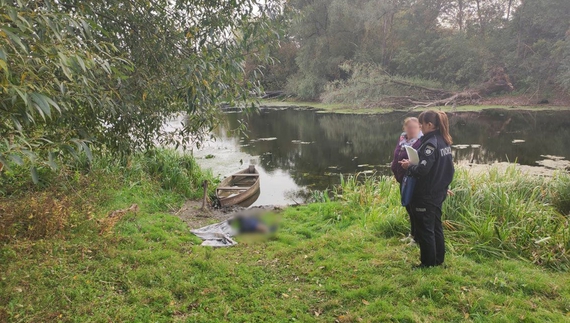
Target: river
297 149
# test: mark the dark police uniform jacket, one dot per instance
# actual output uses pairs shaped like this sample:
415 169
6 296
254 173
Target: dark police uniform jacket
434 172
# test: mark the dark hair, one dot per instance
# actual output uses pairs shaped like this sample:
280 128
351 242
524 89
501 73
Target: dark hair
440 121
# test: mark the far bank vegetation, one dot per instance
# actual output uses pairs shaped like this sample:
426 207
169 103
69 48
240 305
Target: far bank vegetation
405 54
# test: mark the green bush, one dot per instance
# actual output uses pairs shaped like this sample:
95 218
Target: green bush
369 84
67 197
175 171
305 87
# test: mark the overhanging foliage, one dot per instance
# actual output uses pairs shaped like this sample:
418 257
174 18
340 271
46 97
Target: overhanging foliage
104 75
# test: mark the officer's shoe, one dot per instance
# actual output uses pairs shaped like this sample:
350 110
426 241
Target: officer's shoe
441 265
422 266
408 239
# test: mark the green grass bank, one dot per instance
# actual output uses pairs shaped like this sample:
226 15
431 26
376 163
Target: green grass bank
335 260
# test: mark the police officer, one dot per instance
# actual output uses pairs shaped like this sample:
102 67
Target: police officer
434 173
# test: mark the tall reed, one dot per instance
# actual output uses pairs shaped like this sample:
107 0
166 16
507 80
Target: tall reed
497 213
377 199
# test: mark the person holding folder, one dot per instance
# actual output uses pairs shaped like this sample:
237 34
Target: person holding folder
409 138
434 173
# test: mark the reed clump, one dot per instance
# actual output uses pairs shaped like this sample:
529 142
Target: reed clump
498 213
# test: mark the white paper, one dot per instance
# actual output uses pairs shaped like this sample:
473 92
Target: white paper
412 155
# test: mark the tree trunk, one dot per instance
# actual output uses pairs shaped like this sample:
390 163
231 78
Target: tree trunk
480 16
460 13
427 97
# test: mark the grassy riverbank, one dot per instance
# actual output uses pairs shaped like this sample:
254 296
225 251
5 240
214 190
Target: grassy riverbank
337 260
343 108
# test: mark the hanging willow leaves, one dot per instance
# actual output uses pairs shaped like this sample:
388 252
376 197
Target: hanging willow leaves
37 46
78 77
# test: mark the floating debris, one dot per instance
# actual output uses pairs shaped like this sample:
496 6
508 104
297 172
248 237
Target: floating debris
267 109
554 163
460 146
552 157
267 139
299 142
364 165
475 146
368 172
332 167
504 166
518 141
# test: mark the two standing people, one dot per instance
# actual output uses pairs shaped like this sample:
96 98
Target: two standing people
434 173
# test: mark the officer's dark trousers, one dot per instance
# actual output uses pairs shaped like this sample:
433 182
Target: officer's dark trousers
429 233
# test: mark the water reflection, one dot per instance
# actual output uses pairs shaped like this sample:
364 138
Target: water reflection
298 148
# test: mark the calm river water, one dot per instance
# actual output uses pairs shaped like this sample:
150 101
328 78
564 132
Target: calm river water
297 149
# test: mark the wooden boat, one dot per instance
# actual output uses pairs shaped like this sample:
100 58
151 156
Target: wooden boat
238 187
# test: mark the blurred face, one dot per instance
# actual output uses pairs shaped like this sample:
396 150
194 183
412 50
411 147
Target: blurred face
427 127
412 129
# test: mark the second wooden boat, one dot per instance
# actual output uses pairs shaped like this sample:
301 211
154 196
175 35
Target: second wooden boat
238 187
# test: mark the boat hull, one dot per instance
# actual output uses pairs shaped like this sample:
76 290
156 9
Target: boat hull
239 187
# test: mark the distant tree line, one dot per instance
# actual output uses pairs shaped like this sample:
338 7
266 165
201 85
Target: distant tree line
453 43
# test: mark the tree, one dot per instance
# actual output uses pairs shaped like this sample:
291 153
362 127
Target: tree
104 75
277 72
51 71
457 43
331 32
537 33
564 74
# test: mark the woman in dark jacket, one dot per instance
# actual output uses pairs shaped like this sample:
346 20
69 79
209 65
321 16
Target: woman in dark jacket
410 137
434 173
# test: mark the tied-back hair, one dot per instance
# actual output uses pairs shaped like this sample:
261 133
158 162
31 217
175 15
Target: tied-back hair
440 121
